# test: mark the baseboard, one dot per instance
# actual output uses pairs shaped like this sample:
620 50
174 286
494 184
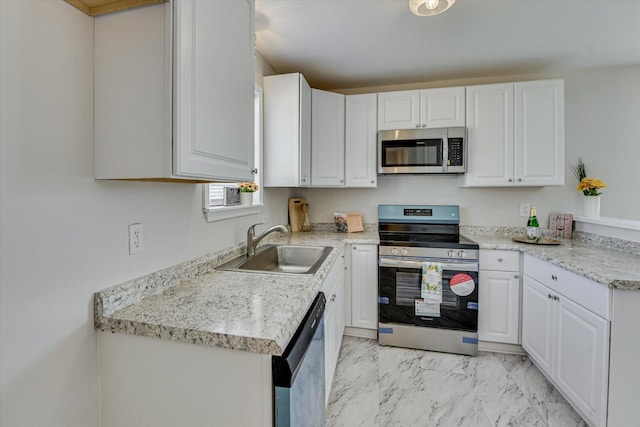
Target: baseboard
361 332
498 347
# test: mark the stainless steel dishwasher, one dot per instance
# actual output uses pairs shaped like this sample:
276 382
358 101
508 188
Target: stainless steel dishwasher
298 375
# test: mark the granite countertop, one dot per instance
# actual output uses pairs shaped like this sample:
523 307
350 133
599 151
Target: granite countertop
614 268
238 310
194 303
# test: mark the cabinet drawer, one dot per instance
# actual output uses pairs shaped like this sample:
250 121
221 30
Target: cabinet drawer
587 293
500 260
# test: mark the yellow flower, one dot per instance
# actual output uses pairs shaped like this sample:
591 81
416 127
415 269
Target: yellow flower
590 186
248 187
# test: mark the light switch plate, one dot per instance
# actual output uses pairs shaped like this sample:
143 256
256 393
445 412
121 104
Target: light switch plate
525 208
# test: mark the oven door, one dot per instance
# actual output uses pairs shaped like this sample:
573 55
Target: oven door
400 300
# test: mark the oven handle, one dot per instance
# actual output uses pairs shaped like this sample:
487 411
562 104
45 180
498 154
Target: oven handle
456 266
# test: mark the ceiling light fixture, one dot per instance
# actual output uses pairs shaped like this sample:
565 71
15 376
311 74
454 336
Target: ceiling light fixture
429 7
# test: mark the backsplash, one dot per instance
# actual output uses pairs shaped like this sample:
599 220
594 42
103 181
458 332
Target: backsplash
120 296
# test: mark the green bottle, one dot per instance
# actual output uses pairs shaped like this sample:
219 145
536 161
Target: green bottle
532 225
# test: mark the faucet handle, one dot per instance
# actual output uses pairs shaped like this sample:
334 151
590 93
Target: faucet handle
253 227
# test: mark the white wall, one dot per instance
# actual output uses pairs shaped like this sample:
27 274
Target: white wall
602 107
64 235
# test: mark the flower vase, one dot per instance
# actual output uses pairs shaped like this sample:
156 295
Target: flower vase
592 206
246 198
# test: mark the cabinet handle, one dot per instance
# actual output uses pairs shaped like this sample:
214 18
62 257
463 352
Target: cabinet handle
354 248
549 296
424 126
500 259
557 298
417 126
254 171
304 179
554 277
373 182
333 297
517 276
341 181
510 180
519 179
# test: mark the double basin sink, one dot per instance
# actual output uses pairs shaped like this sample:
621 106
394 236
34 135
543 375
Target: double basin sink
281 259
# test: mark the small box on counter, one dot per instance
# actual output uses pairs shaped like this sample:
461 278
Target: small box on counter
354 223
560 225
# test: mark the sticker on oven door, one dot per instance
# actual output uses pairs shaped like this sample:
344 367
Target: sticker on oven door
383 300
462 284
425 308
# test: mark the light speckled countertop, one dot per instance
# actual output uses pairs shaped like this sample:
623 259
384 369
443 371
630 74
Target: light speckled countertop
238 310
614 268
194 303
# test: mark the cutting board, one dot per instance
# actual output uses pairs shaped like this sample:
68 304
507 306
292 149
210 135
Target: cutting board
295 213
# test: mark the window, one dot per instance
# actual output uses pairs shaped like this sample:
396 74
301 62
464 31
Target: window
213 194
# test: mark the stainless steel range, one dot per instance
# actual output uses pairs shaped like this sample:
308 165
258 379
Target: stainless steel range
427 280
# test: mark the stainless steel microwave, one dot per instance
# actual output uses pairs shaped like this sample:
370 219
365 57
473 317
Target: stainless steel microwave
417 151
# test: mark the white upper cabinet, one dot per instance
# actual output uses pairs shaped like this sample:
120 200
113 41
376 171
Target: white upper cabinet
427 108
539 133
327 139
399 110
515 134
166 107
287 131
360 140
443 107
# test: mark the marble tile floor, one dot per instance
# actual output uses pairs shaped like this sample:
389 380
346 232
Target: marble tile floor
378 386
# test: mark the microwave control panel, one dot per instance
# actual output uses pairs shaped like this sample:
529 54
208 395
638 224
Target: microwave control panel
455 152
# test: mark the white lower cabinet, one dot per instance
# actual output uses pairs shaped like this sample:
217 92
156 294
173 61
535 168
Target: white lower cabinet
565 330
364 286
499 297
333 289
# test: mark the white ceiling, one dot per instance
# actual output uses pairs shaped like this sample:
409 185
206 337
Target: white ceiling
340 44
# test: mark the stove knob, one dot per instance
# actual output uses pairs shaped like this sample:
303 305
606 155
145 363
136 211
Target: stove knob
394 251
452 254
462 254
405 252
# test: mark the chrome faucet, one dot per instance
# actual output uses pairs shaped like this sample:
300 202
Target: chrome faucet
253 240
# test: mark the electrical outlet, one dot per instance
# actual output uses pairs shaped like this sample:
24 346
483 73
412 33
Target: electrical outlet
524 209
136 238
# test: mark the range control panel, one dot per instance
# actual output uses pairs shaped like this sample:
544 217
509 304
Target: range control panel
417 212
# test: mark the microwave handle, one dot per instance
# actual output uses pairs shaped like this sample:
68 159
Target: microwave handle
445 153
404 263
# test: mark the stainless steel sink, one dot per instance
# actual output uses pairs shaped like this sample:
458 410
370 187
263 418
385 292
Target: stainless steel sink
281 259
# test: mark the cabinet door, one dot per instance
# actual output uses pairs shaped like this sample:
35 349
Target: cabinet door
287 131
490 135
499 313
399 110
213 89
442 107
538 319
305 133
582 358
327 139
539 133
334 329
364 286
329 350
360 140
